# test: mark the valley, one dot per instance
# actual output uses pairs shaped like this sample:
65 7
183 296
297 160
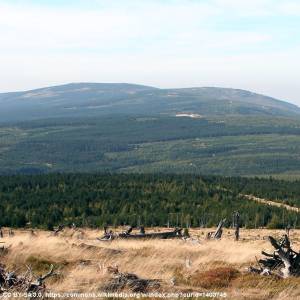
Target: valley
250 146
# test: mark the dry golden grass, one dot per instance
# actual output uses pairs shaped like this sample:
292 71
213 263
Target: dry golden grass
194 265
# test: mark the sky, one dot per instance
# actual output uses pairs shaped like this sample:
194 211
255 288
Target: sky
245 44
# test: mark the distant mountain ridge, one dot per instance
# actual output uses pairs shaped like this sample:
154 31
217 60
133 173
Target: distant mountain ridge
93 99
128 128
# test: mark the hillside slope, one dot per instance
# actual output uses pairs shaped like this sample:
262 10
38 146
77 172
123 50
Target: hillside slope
98 99
149 144
127 128
215 267
151 200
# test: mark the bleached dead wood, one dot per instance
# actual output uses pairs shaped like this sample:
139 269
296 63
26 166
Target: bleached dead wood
59 229
284 262
127 234
28 282
218 233
176 233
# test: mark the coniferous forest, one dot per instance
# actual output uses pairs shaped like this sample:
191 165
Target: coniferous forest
95 200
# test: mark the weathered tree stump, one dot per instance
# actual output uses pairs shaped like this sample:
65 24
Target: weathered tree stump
284 262
237 226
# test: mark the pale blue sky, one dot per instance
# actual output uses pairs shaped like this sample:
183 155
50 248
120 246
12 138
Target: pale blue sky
248 44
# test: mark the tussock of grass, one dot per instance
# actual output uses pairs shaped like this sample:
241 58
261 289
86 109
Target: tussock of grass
214 278
39 264
179 278
271 282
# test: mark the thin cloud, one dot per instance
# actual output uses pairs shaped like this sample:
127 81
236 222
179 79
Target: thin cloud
163 43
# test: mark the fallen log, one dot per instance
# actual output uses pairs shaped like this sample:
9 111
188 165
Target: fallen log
176 233
108 235
59 229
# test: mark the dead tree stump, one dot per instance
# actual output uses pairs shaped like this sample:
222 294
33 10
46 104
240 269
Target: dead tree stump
284 262
219 231
237 226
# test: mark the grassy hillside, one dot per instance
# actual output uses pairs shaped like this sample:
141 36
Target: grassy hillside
181 266
222 146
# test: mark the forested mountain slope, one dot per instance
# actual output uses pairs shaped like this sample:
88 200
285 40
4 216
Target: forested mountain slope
144 144
150 200
127 128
